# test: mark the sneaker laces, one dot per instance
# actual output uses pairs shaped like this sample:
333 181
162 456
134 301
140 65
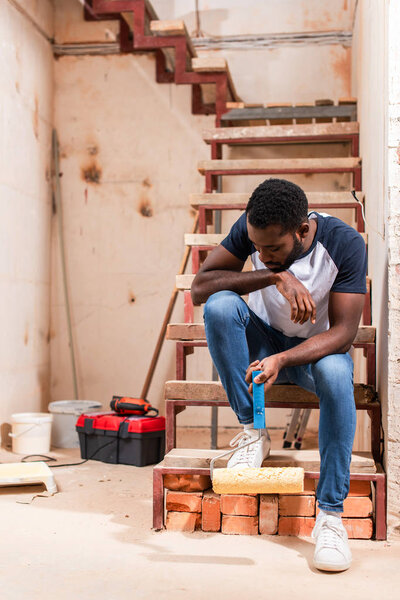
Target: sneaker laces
246 453
330 534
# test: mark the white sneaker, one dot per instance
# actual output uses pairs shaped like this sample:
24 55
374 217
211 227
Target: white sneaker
332 552
253 455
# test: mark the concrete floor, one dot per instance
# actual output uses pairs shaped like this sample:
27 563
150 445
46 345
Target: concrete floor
93 540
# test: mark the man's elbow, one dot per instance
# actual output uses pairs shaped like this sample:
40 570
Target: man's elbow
196 293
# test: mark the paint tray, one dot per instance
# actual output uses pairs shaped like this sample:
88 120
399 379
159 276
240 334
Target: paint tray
27 474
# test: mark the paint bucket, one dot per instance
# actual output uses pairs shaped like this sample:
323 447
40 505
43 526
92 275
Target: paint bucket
31 433
65 414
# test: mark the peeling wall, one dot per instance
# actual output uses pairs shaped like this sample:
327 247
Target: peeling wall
26 105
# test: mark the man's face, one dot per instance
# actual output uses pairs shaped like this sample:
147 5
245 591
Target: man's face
276 250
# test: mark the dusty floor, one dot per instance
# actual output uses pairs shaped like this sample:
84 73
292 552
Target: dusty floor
93 540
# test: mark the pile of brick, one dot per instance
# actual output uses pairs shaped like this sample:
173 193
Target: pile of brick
192 505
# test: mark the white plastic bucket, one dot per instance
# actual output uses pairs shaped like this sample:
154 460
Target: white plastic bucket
65 414
31 433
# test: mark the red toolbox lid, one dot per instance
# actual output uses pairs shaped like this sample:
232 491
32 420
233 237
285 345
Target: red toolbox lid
112 422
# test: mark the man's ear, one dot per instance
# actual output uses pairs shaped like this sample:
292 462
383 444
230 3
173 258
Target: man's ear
303 230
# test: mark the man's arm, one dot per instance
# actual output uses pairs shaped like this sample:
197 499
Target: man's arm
344 316
223 271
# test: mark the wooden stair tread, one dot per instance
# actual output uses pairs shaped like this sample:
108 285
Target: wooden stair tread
210 393
205 64
240 200
361 462
196 331
184 282
325 112
278 131
213 239
347 162
170 28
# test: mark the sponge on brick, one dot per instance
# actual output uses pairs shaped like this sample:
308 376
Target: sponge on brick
265 480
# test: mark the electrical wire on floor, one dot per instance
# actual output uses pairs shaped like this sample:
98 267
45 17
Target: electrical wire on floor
48 459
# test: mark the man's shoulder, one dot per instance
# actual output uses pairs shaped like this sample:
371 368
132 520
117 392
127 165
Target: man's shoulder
338 238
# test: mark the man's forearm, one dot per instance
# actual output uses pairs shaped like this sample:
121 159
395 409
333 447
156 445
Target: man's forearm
336 340
210 282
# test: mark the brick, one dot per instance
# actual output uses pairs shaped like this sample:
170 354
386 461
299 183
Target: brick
268 516
358 528
184 501
296 506
309 488
187 483
181 521
233 524
211 511
360 488
296 526
239 504
197 524
357 506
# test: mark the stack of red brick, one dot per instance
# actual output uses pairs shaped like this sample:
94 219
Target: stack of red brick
191 505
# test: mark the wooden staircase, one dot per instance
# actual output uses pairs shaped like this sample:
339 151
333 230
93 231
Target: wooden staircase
238 124
189 335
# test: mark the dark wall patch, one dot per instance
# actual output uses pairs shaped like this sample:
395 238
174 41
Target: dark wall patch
145 208
132 298
147 183
91 173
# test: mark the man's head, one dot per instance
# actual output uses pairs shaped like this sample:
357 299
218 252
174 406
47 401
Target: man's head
277 222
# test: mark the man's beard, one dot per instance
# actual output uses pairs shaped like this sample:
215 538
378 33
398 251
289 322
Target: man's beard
297 251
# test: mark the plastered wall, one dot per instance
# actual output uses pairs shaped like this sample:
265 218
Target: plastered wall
26 104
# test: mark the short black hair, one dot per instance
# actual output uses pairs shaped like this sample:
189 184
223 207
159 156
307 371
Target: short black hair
277 202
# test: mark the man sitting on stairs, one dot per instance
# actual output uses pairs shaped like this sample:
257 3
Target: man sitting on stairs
306 296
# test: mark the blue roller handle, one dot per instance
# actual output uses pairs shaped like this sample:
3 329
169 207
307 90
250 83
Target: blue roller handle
258 403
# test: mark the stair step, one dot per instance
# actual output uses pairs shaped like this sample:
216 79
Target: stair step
184 282
292 112
280 165
211 393
206 64
213 239
262 132
171 27
241 200
361 462
196 331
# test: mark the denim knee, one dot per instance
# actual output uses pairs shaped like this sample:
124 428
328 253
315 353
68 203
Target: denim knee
333 370
222 306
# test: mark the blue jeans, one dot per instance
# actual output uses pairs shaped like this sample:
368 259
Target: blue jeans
236 337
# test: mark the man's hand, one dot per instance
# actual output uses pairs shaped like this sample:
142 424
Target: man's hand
269 366
301 302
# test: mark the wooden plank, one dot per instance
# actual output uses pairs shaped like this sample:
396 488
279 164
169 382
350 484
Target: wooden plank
167 28
361 462
213 239
184 282
197 200
324 102
212 391
196 331
261 164
306 120
346 101
278 131
206 64
281 105
295 112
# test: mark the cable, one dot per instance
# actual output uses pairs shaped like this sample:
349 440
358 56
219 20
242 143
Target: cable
51 459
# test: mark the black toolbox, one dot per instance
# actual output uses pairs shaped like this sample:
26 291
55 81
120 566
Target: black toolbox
127 440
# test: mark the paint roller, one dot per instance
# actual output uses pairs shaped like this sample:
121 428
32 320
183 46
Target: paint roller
265 480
